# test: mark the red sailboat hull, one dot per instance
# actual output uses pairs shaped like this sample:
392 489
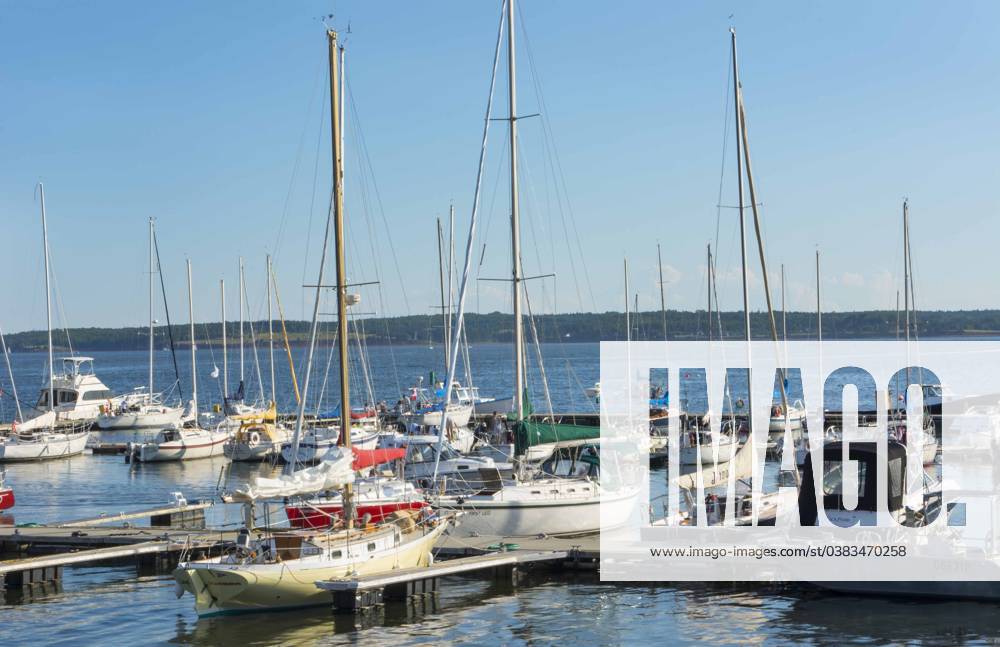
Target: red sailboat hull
319 516
6 498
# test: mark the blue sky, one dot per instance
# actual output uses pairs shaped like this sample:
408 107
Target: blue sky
209 117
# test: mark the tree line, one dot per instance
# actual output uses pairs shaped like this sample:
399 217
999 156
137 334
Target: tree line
574 327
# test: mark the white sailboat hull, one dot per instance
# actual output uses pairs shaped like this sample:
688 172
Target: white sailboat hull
458 414
530 518
709 454
162 418
204 446
45 447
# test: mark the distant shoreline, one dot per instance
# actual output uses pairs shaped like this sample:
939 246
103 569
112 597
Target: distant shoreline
497 327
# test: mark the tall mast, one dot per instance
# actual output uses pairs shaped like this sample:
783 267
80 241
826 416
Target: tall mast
515 220
906 285
194 350
451 281
784 315
745 139
10 372
151 310
242 377
628 323
341 266
335 219
270 330
708 274
663 300
743 235
48 296
819 311
444 307
225 356
638 322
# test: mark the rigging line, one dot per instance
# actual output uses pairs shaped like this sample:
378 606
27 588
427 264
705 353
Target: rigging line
547 146
501 164
538 354
725 148
363 149
61 310
470 244
166 310
388 338
253 344
547 131
298 159
312 195
364 193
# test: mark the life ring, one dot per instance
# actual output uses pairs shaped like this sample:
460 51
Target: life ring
254 439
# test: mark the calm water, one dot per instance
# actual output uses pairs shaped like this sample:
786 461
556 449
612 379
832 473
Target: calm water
95 603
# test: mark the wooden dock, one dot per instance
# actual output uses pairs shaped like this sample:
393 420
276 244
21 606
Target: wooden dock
174 530
363 593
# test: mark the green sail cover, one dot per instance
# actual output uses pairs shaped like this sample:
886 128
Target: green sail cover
528 433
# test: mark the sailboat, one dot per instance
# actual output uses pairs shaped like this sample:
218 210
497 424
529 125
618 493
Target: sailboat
280 569
531 503
38 438
145 408
259 436
741 457
898 424
182 443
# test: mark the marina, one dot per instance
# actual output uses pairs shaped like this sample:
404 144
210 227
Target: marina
257 388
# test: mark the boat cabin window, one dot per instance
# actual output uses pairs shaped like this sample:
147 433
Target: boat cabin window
425 454
309 548
371 546
97 395
63 396
833 478
336 554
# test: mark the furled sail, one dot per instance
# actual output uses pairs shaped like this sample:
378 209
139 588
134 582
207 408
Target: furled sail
334 472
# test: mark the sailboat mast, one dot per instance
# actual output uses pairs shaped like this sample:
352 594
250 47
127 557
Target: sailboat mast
242 377
638 323
819 311
444 311
10 372
663 299
745 138
784 315
194 350
743 234
151 310
906 284
451 281
225 356
270 330
341 266
628 323
515 220
48 296
708 274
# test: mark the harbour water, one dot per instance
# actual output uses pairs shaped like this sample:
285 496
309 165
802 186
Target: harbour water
115 604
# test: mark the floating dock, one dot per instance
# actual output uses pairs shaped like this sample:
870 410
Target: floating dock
175 529
363 593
